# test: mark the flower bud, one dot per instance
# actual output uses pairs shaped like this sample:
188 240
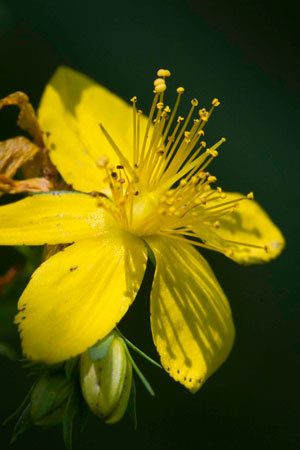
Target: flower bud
48 397
106 377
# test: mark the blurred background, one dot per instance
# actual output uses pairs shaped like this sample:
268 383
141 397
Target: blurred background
244 53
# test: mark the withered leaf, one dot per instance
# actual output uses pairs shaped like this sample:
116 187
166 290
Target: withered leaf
27 119
10 186
14 153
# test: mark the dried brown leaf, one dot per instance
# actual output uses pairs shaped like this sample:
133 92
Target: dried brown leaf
27 119
10 186
14 153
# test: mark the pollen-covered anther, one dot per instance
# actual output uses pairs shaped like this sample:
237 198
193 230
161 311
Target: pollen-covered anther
133 99
194 102
215 102
203 114
250 196
159 85
102 162
211 179
160 105
213 153
163 73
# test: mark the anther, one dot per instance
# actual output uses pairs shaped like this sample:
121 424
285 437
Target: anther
211 179
160 88
250 196
158 81
133 99
215 102
180 90
203 114
194 102
163 73
160 105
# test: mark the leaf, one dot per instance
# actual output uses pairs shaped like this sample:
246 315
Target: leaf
19 409
14 153
132 404
70 367
71 409
140 374
140 352
22 425
27 119
7 351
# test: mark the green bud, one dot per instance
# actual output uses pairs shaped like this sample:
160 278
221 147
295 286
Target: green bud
106 377
48 395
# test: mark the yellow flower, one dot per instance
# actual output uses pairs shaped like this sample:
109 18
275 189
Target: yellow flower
158 194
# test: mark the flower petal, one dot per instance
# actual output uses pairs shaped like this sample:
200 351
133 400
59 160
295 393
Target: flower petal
77 296
248 224
54 218
71 109
191 319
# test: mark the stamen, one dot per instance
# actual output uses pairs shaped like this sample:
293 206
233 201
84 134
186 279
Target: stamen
166 189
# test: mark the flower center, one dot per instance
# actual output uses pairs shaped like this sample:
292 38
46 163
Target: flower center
166 189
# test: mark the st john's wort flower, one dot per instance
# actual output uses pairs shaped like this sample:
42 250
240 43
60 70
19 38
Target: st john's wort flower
140 182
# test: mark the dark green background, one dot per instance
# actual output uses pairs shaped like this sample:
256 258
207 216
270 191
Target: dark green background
245 54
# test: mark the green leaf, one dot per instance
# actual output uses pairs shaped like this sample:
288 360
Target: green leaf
71 409
7 351
140 374
22 425
84 414
140 352
22 405
132 404
70 367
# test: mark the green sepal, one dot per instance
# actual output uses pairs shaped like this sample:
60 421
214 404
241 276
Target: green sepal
70 367
100 350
